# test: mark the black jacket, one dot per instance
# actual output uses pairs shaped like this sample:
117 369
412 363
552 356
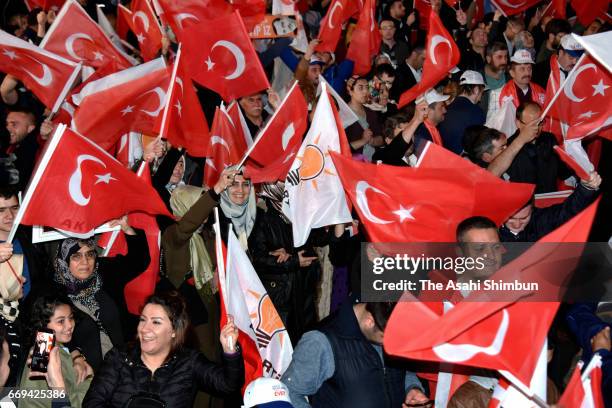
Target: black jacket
116 272
292 288
537 163
545 220
123 375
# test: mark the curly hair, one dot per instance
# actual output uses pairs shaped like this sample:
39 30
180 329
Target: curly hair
43 309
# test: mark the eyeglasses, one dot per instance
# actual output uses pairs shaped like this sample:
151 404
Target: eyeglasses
79 256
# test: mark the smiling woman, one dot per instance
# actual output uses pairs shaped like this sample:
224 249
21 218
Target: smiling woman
159 371
54 312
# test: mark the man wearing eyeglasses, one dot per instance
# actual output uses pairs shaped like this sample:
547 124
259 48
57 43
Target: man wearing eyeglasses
536 162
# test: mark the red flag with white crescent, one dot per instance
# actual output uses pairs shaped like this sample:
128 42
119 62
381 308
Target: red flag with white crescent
75 36
49 76
279 140
502 335
442 55
582 106
128 100
224 60
225 147
143 23
78 187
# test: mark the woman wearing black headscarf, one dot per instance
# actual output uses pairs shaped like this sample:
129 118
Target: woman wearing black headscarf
95 286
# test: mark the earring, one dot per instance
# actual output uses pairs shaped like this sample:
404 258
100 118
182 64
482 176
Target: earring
173 335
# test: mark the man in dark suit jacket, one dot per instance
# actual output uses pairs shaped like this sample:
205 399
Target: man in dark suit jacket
408 72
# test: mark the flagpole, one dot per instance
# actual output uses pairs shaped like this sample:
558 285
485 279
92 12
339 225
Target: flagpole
162 127
40 169
67 87
263 131
562 87
221 267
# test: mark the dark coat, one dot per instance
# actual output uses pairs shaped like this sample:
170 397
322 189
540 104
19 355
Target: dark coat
116 273
292 288
123 375
545 220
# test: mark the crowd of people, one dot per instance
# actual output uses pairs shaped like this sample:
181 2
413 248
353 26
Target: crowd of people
176 353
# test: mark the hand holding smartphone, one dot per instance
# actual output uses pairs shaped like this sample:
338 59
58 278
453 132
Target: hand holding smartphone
44 343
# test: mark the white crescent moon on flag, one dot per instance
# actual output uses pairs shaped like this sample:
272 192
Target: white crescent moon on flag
162 101
331 14
456 353
143 17
219 140
74 184
362 201
437 39
288 133
179 81
506 3
45 79
569 88
184 16
238 56
69 44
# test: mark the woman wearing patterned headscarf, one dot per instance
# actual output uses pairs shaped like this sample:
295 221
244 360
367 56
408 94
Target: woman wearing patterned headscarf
238 206
95 286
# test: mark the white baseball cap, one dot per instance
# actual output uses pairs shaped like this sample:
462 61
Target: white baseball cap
471 78
432 96
571 46
267 393
522 56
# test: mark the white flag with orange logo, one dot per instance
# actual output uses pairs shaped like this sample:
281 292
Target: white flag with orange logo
314 196
254 314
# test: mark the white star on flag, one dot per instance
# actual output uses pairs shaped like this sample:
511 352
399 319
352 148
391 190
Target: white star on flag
600 88
209 63
127 109
140 38
104 178
588 114
98 55
404 213
178 107
10 54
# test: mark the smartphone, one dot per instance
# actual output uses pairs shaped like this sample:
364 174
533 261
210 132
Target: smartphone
44 343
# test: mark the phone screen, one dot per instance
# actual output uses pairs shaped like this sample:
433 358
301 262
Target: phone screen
45 340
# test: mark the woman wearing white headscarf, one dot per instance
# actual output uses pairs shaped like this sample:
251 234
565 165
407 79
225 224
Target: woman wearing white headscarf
238 206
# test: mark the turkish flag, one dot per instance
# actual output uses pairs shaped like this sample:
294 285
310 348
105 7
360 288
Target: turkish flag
442 55
124 20
424 9
75 36
587 11
129 100
46 74
512 7
235 114
181 14
114 243
77 187
224 60
185 125
424 204
555 9
143 23
279 141
331 25
482 331
224 148
583 106
584 394
365 41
